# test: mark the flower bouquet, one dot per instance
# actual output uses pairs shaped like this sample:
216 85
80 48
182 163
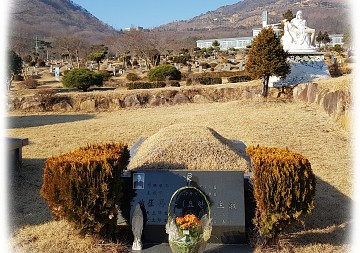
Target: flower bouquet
188 234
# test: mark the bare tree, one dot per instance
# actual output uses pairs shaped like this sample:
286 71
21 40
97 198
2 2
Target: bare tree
72 46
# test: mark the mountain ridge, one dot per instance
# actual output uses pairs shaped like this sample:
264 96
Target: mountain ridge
53 18
246 14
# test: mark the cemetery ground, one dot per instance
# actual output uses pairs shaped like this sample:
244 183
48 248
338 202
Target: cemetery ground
301 127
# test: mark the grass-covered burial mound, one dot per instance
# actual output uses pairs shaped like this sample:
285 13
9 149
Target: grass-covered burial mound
185 146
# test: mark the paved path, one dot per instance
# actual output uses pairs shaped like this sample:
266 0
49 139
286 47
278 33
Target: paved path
210 248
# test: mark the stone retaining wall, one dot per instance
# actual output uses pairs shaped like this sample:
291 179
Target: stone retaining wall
335 103
109 101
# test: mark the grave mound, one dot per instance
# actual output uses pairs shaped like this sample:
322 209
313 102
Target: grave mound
185 146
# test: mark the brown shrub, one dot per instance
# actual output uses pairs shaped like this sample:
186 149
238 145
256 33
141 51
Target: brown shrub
30 83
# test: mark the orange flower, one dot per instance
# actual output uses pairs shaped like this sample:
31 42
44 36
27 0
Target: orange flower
188 222
180 220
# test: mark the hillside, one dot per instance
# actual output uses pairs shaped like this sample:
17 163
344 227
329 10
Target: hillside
49 18
53 18
238 19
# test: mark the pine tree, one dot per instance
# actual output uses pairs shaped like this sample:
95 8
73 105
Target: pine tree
267 58
319 38
326 38
14 67
288 15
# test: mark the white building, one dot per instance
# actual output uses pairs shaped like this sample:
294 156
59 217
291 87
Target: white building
226 43
242 42
336 39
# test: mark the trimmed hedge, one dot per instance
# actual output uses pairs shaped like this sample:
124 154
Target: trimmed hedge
173 83
145 85
284 189
85 186
133 77
207 80
238 79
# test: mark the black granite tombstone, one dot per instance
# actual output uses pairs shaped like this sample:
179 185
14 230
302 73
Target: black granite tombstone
223 189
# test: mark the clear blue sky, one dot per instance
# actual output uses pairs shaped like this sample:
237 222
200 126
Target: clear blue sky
148 13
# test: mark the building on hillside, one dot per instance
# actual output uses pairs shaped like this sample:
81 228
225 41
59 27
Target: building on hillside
226 43
336 39
242 42
137 28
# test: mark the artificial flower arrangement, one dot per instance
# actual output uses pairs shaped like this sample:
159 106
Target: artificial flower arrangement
188 233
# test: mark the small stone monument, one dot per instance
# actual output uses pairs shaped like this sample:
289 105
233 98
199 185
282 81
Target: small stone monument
57 74
189 68
137 224
241 66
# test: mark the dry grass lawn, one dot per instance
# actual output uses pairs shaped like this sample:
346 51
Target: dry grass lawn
302 128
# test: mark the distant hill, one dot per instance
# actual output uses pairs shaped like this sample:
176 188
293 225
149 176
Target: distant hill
240 18
49 18
52 18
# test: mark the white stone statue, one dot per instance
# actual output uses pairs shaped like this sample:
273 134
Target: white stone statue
137 224
297 35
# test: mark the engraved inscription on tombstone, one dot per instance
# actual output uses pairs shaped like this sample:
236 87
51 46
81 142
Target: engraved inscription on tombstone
188 201
226 199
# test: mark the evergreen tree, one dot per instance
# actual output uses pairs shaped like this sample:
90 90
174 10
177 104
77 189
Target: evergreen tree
14 67
319 38
323 38
82 78
97 53
326 38
267 58
216 44
288 15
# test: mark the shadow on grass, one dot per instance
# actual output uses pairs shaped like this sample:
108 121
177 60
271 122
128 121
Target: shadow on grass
330 220
26 206
43 120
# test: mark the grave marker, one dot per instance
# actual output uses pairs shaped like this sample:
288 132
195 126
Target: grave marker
226 199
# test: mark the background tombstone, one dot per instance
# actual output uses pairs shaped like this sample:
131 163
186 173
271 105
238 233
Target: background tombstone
57 74
189 68
241 66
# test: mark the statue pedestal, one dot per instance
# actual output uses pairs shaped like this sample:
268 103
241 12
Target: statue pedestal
306 66
301 51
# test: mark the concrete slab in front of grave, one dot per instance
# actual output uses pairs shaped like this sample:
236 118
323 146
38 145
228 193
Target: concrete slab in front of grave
223 189
210 248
